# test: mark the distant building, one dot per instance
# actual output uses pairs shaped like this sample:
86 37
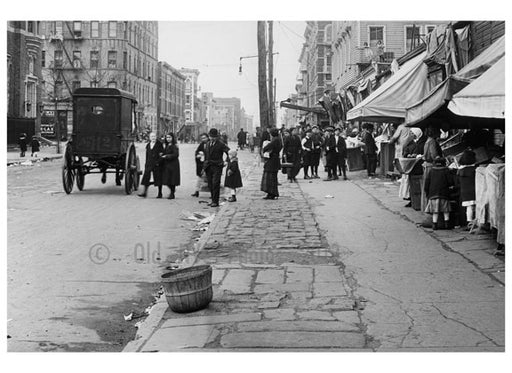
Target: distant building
227 115
171 98
191 90
24 78
112 54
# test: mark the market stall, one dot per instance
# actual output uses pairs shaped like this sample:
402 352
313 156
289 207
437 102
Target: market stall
490 198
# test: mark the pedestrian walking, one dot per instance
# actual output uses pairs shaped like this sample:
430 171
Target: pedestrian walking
214 163
370 150
35 146
269 183
22 142
466 181
292 150
438 184
307 149
171 164
200 158
233 179
224 138
242 139
250 141
152 167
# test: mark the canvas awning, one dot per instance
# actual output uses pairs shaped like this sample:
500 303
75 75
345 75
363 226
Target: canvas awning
484 97
388 102
434 104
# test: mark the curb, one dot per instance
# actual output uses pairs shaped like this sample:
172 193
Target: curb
149 325
17 162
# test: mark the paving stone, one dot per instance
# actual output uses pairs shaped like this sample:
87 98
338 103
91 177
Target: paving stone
293 287
299 274
315 315
217 276
264 305
347 316
297 325
280 314
211 319
328 289
172 339
238 281
270 276
293 340
327 274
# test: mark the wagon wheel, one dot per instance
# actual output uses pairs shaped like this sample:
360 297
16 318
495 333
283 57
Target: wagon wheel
80 174
138 172
129 170
68 173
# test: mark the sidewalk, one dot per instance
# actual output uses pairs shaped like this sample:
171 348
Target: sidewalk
336 266
276 283
46 154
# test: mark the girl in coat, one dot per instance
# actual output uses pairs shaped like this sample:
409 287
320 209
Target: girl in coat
233 177
171 164
437 188
466 179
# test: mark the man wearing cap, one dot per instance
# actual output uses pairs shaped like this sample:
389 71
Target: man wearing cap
213 164
316 151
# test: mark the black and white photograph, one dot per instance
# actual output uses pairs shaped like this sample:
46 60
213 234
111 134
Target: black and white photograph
276 181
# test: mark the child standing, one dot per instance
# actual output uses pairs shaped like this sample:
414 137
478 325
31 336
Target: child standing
233 177
466 179
35 146
437 188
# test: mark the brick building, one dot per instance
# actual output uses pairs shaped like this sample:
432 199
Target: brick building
112 54
227 115
24 78
171 98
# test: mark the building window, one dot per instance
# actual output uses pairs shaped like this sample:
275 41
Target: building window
112 59
30 26
76 85
77 57
43 58
125 60
376 34
112 29
57 58
328 33
59 89
95 60
187 99
429 29
112 84
77 29
125 30
412 37
94 84
58 27
95 29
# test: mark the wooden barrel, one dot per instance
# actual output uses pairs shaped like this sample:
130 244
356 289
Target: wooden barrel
188 289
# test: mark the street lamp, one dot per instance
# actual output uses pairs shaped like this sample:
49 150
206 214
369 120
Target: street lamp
241 58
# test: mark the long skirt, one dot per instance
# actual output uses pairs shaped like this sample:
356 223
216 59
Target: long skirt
269 183
437 205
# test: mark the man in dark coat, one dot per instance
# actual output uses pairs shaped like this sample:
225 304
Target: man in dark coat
316 151
200 157
370 150
269 183
154 150
331 154
341 152
213 164
292 149
171 164
242 138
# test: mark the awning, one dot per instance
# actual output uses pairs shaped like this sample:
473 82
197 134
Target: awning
437 100
485 97
388 102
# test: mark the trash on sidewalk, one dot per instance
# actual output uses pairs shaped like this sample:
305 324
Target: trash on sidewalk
329 196
27 163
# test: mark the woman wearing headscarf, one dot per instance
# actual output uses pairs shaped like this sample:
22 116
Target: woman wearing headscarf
171 164
200 156
272 166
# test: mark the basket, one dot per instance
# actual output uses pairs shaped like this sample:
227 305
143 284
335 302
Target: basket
188 289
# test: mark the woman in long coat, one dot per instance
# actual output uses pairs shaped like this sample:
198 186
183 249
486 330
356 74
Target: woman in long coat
272 166
171 164
154 150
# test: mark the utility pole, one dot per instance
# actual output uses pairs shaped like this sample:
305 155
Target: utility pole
262 76
271 95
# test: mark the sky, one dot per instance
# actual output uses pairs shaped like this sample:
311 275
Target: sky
215 48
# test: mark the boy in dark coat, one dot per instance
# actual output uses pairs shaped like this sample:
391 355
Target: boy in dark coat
437 188
154 149
171 164
35 146
233 176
